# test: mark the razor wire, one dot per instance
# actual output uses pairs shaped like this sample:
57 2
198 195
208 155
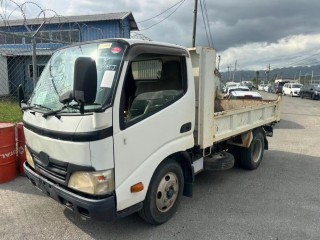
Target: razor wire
24 54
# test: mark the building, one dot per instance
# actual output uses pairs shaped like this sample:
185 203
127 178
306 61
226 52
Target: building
17 38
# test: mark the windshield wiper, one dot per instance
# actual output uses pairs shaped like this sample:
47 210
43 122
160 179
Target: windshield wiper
76 106
54 112
35 106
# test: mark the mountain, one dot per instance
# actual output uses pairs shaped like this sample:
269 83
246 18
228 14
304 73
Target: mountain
307 72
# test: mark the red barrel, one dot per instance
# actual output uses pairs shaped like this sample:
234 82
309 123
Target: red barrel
21 147
8 157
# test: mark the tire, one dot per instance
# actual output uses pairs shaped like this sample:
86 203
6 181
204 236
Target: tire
164 193
235 151
312 96
219 161
301 95
250 158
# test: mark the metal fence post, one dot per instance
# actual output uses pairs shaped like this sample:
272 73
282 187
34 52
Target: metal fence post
34 62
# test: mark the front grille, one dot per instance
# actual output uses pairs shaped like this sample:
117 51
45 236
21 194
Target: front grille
53 170
56 170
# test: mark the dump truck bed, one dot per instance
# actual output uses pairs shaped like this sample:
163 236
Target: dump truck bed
232 117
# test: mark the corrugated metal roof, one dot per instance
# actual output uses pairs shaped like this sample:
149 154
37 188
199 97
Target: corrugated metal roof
74 19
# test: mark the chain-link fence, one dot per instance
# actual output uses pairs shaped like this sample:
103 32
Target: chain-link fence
309 79
21 63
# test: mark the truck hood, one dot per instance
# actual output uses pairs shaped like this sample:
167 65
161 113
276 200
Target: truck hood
79 139
55 137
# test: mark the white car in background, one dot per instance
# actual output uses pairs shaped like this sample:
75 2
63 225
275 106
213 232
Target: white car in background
292 89
261 87
244 95
237 88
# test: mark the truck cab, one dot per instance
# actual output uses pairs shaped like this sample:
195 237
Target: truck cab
91 147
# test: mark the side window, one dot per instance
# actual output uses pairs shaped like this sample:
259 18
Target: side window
152 83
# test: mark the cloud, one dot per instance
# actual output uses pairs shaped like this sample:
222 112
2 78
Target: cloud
261 28
290 51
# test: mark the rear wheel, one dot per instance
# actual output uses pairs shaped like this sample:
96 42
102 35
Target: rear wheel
164 193
250 158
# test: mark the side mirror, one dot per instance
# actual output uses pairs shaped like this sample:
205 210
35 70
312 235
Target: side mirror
20 94
85 80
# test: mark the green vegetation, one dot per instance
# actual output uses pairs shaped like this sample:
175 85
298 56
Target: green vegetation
10 112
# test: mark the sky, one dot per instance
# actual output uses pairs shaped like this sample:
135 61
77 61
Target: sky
248 34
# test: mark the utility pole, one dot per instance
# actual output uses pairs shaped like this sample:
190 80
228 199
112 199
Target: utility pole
195 12
257 73
300 77
219 61
228 72
267 72
235 69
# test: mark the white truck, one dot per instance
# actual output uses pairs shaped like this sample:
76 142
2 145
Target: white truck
120 126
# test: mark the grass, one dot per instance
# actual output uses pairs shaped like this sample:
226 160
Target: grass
10 112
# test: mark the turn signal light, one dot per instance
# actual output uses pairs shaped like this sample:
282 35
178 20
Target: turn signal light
137 187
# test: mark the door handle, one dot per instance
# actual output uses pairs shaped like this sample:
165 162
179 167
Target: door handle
185 127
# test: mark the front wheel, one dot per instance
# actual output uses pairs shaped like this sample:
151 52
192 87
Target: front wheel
251 157
164 193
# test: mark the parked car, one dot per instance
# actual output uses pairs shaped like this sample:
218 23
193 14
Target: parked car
239 88
278 86
270 88
267 87
229 85
244 95
292 89
261 87
248 84
312 91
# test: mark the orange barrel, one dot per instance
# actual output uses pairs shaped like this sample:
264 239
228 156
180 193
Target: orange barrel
8 158
21 147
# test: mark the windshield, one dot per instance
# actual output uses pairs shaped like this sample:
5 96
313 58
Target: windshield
296 85
58 76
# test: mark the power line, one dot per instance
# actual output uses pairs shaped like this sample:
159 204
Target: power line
204 22
208 22
181 2
161 12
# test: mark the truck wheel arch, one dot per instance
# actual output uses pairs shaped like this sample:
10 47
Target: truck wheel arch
185 161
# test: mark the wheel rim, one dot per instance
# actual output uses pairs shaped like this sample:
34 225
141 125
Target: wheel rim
257 150
167 192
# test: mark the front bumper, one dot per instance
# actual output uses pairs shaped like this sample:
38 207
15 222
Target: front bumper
99 209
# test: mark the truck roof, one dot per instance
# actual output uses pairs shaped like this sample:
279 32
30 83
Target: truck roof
132 42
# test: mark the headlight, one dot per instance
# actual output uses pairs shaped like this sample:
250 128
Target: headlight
29 158
95 183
